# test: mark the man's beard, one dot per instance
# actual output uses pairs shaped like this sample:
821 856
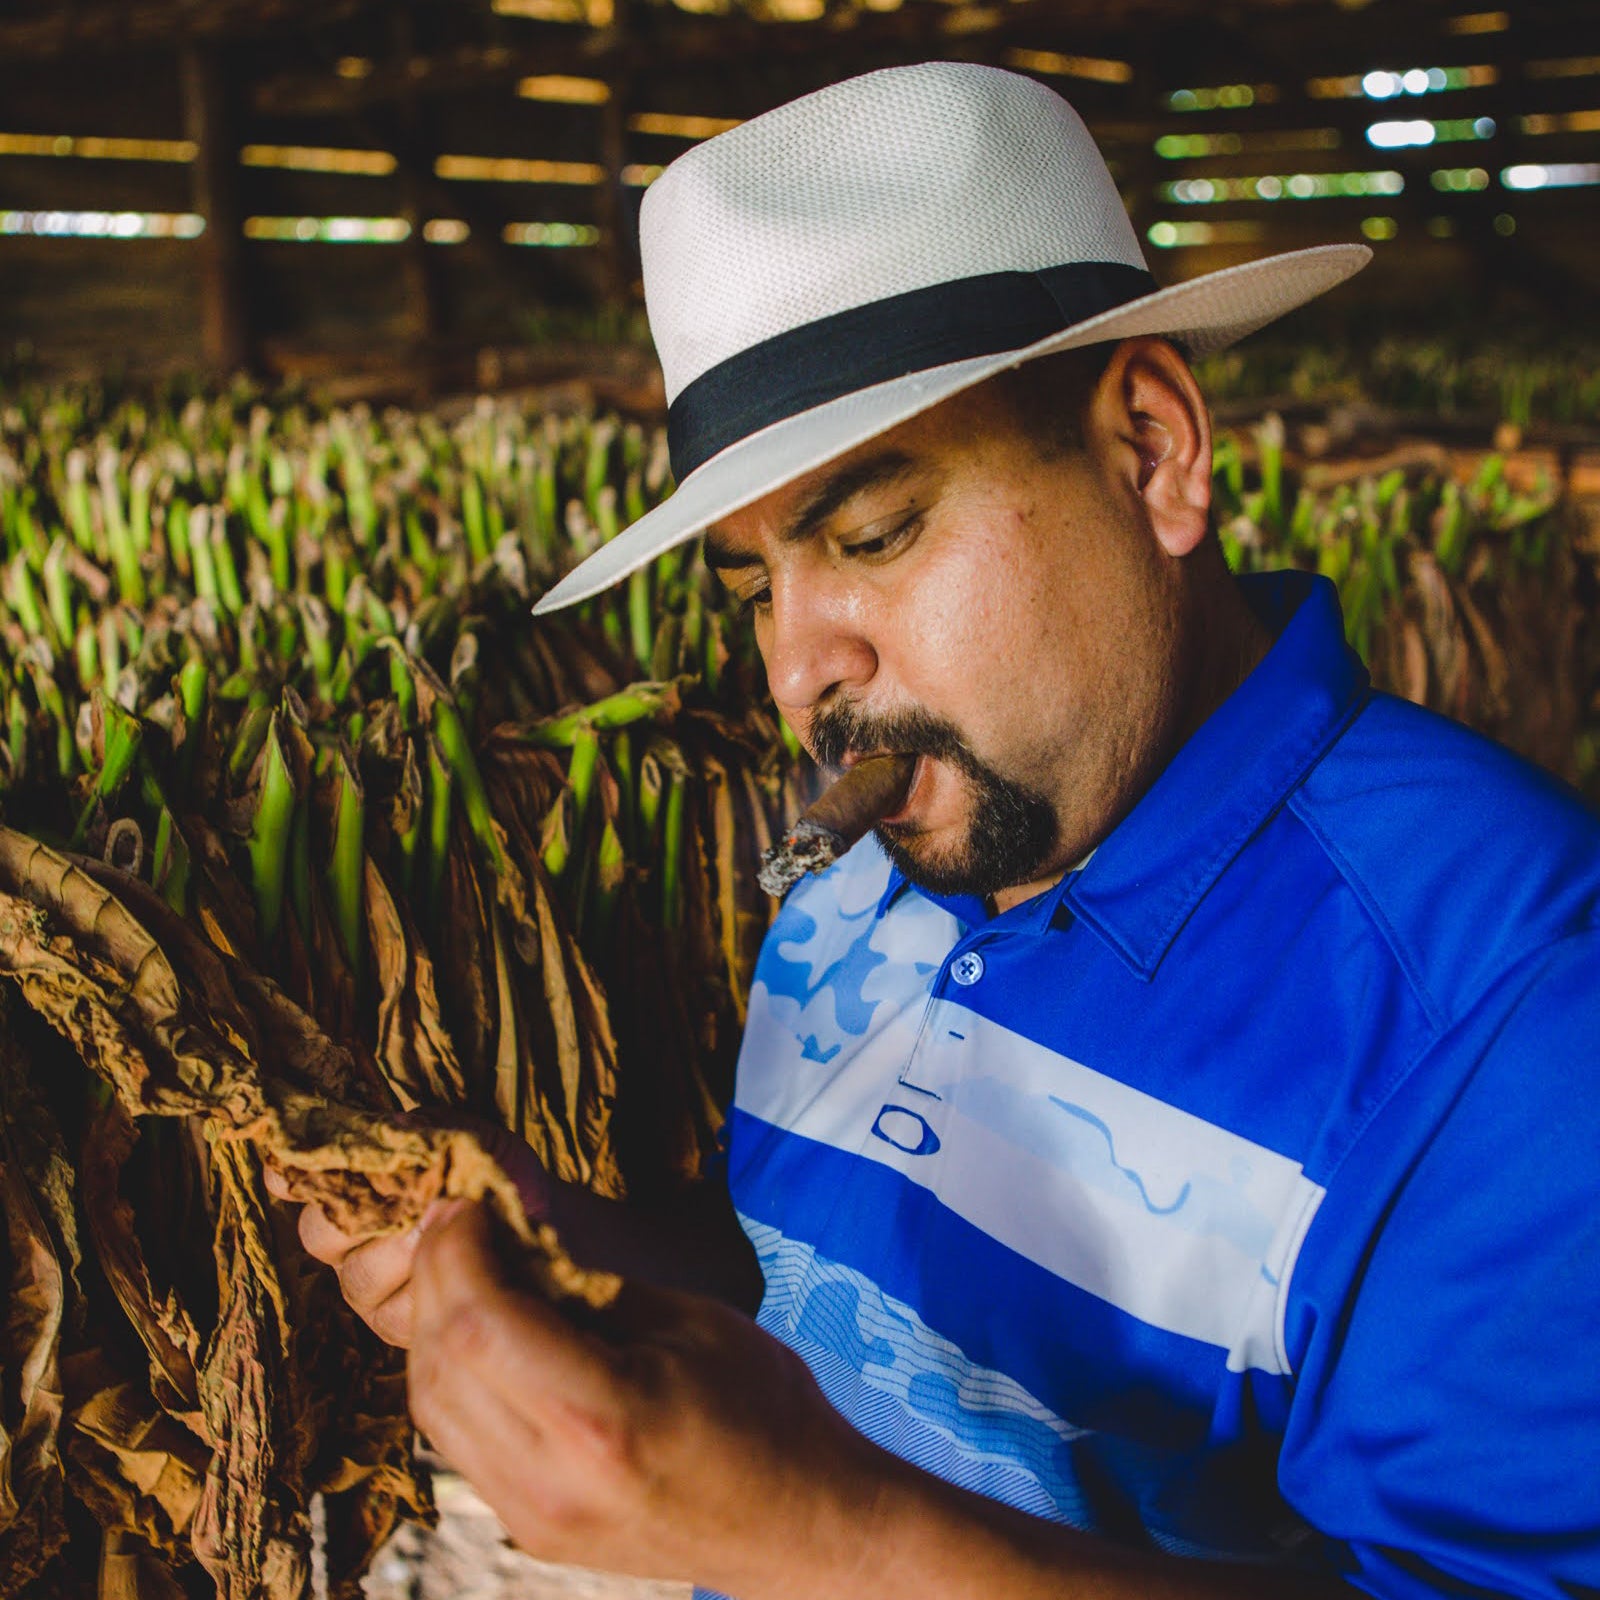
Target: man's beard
1013 831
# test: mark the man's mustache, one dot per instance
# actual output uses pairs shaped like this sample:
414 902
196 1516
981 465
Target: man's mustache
845 730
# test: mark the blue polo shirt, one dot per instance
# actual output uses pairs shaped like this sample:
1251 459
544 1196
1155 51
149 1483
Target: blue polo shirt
1239 1195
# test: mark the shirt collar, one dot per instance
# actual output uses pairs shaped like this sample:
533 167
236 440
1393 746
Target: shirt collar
1154 868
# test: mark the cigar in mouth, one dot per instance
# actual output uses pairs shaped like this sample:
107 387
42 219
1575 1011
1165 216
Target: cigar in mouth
872 789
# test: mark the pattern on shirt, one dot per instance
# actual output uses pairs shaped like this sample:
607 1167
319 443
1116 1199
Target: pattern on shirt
912 1390
1185 1225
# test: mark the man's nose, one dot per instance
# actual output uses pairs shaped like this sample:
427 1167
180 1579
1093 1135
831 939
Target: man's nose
815 644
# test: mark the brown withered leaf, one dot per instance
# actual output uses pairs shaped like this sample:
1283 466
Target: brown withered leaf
722 827
1495 676
414 1049
32 1528
251 1530
133 1466
41 1299
86 964
466 964
570 1053
163 1325
131 1570
1442 633
373 1479
1412 679
222 902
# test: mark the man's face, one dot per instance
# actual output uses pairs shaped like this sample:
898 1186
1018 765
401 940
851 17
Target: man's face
951 590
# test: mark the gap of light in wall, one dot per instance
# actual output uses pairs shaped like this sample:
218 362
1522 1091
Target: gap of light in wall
679 127
790 10
353 67
1399 135
513 169
1479 22
1227 96
1379 227
1295 186
1052 63
1556 175
1563 67
640 175
328 230
313 158
1562 122
104 224
91 147
445 230
557 235
1178 235
589 13
562 90
1186 146
1383 85
1460 180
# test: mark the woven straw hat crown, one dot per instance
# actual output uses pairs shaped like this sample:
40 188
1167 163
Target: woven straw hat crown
875 186
826 271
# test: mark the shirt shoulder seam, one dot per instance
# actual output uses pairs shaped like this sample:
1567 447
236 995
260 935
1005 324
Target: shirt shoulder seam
1369 902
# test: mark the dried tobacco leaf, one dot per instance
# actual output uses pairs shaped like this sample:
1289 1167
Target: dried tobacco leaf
134 1467
94 971
32 1528
414 1049
163 1325
131 1570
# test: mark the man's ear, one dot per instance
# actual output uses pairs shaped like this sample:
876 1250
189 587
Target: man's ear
1152 416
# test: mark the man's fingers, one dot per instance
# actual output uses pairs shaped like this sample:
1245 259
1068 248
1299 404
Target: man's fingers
392 1320
322 1239
374 1271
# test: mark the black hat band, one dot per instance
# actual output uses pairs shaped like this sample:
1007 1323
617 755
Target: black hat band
866 345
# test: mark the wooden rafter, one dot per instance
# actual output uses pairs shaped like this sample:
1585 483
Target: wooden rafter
100 26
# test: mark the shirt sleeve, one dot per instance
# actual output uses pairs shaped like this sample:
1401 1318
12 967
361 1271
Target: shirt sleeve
1446 1420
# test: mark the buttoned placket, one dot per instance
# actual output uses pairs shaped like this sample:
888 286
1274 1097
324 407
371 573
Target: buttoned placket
966 966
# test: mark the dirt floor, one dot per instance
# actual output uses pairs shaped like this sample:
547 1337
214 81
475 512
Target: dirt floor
468 1557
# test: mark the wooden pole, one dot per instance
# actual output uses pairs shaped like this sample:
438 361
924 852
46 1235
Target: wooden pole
224 309
617 272
420 274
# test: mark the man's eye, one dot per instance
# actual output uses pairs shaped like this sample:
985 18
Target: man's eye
880 543
756 600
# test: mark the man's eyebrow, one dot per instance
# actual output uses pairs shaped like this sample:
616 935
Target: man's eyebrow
831 496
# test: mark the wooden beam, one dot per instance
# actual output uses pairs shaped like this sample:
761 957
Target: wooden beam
207 107
660 39
109 25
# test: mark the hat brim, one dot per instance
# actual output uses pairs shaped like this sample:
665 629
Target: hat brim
1204 314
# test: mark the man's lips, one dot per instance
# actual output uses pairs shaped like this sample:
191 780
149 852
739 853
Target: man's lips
851 757
900 814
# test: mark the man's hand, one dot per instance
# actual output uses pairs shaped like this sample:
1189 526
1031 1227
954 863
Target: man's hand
667 1437
375 1271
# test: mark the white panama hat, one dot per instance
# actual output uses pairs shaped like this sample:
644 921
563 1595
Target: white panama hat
823 272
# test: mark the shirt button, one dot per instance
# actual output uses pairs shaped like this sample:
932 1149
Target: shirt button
967 968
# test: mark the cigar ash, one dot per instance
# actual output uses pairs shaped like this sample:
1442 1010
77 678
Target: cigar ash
874 788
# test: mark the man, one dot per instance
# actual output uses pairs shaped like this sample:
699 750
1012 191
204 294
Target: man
1169 1145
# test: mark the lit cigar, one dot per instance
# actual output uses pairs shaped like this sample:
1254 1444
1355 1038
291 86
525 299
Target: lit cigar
871 790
